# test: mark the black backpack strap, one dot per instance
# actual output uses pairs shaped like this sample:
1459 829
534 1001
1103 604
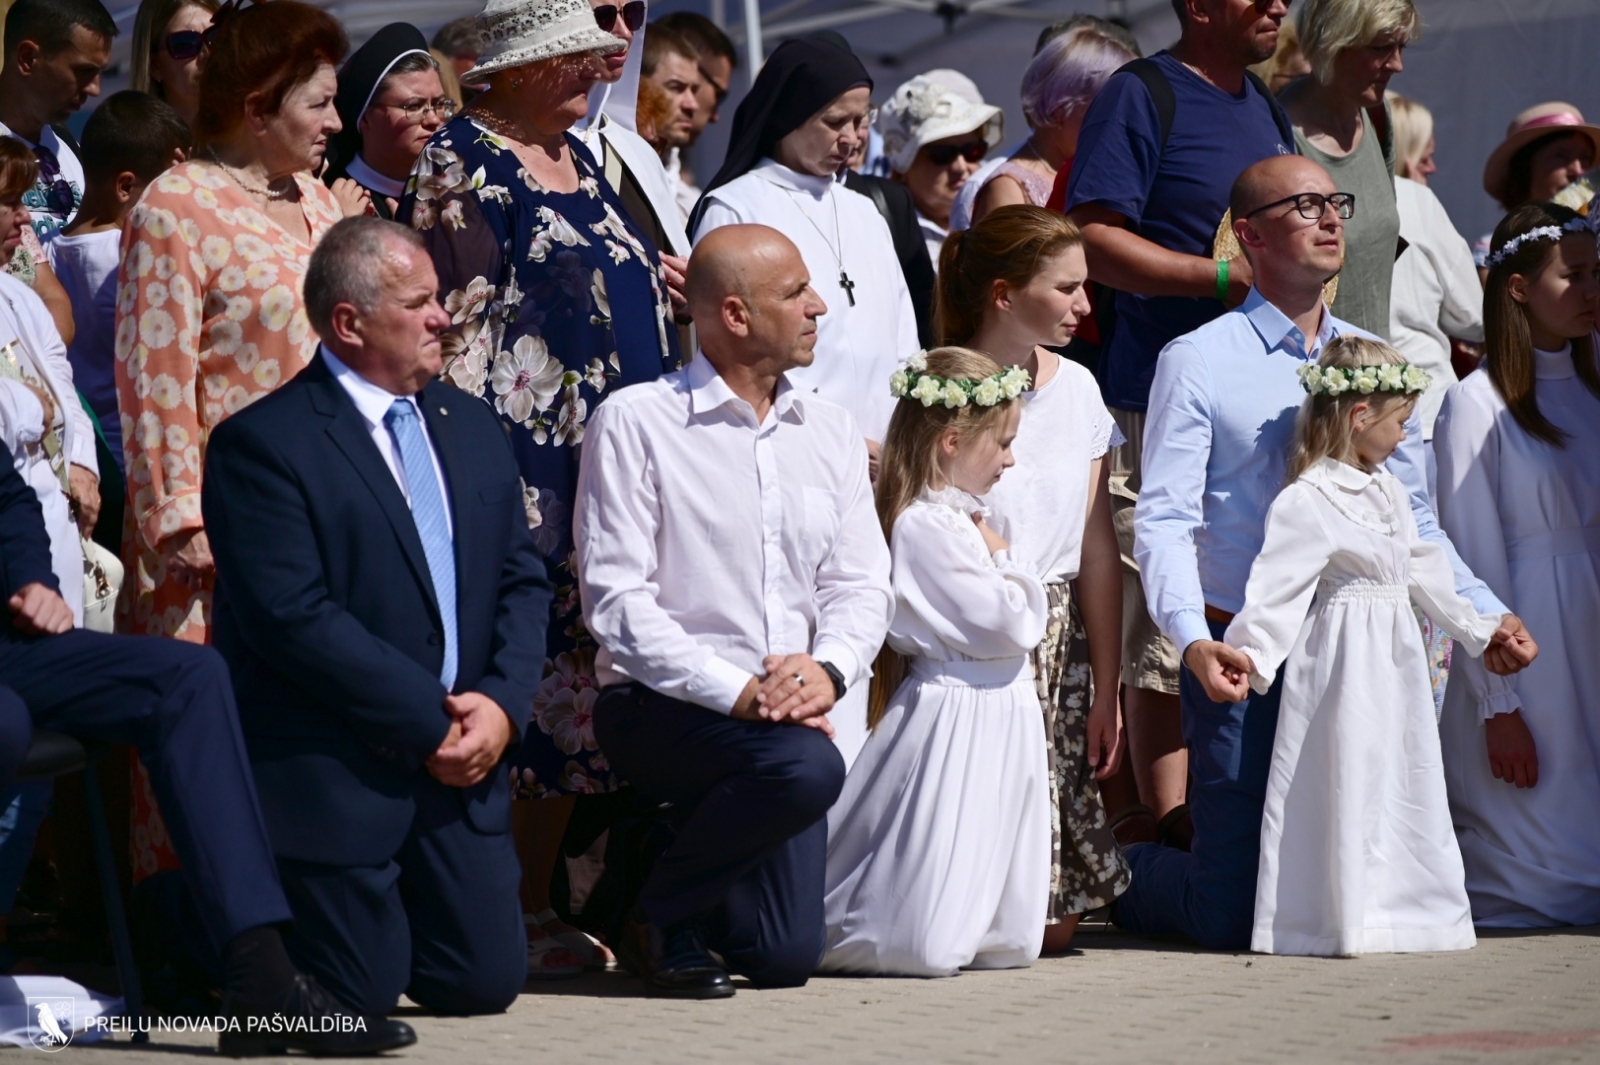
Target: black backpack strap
61 131
1160 89
1279 115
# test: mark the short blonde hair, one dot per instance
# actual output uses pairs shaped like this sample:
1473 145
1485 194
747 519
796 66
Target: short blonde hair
1413 129
1328 27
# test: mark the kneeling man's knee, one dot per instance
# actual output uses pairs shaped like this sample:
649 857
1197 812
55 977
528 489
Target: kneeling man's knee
815 776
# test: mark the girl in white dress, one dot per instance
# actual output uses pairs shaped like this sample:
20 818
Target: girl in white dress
1357 850
1518 444
1012 284
939 845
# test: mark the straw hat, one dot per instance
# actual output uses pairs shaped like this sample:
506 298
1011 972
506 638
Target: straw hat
1538 121
931 107
519 32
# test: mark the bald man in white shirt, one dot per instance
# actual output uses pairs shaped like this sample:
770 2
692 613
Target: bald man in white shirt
737 581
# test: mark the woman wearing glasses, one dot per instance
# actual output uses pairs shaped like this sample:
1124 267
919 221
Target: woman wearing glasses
936 130
1341 121
390 101
168 40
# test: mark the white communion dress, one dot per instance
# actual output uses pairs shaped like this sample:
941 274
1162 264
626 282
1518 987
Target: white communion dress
1526 517
1358 854
939 845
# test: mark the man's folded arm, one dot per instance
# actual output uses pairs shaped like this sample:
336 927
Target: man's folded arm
615 525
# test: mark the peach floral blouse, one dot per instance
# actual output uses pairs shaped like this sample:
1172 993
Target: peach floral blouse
209 319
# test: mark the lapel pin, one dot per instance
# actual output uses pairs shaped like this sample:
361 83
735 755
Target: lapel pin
443 411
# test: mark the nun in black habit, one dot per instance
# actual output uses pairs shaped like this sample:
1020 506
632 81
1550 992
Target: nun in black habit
391 101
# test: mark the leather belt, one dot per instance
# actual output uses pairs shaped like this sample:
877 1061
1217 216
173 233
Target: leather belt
1218 617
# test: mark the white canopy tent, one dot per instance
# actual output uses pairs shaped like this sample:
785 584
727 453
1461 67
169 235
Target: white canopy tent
1477 63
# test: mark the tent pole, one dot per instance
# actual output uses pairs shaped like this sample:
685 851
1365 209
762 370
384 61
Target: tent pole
752 36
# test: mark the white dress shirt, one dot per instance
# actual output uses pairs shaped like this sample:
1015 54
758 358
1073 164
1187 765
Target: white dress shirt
860 346
707 541
372 403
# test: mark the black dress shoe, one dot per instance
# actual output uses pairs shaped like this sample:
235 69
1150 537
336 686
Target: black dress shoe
674 963
308 1020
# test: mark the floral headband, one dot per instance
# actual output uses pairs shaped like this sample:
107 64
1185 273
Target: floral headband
915 382
1509 248
1390 377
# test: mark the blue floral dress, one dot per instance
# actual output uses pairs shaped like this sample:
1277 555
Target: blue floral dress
530 278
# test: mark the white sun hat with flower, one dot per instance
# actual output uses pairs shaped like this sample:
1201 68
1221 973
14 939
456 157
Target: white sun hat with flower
931 107
518 32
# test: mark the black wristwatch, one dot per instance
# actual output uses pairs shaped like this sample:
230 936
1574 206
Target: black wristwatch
838 679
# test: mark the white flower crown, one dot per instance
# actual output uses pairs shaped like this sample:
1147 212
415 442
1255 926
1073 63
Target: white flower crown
1509 248
1390 377
915 382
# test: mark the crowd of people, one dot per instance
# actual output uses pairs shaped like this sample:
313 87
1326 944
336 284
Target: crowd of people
506 557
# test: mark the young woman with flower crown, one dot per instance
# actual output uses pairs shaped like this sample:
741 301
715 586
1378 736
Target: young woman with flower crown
939 845
1357 850
1012 287
1518 444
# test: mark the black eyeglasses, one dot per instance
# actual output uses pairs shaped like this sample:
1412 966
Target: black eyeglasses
945 154
1312 205
632 15
185 44
60 199
721 91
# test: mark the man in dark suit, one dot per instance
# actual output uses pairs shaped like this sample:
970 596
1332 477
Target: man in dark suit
173 702
382 606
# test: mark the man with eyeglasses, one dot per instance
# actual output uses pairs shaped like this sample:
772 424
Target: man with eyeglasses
54 53
1222 413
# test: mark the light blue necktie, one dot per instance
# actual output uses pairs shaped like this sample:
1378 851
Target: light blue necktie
427 510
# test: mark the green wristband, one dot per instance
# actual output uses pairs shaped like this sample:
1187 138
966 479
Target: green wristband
1222 280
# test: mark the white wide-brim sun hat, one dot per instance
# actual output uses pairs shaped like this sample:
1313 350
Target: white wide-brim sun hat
518 32
930 108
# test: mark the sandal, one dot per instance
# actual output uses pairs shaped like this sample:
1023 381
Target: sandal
550 959
1127 834
1176 828
588 950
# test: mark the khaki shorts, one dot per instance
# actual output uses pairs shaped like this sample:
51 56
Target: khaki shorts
1149 659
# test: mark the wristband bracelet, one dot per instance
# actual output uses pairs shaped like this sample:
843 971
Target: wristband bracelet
1222 280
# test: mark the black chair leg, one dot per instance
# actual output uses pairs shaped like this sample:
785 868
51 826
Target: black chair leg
111 890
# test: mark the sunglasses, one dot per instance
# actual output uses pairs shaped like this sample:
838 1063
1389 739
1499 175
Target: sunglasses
945 154
632 15
185 44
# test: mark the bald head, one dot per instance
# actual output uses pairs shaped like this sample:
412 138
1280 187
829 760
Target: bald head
1272 179
732 261
751 297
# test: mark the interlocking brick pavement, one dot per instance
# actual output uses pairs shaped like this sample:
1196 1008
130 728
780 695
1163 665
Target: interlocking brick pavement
1517 999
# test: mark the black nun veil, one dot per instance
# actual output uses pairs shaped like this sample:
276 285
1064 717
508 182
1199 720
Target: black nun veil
799 79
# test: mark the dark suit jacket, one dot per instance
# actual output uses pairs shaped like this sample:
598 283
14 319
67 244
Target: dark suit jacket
24 543
326 614
893 201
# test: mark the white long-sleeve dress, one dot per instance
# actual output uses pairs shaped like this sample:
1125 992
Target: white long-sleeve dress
1526 517
939 845
1357 851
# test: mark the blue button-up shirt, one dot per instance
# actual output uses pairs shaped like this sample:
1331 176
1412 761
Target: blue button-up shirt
1216 446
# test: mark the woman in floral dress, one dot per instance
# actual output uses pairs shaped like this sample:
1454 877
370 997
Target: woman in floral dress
556 301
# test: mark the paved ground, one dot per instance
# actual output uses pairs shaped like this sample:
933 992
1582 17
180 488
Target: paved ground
1517 999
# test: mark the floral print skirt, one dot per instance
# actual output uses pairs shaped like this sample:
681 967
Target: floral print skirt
1087 869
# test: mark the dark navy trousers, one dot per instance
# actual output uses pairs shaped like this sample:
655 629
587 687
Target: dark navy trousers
1209 894
174 702
748 860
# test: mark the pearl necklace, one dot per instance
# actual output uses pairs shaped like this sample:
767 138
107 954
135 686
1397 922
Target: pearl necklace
240 178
